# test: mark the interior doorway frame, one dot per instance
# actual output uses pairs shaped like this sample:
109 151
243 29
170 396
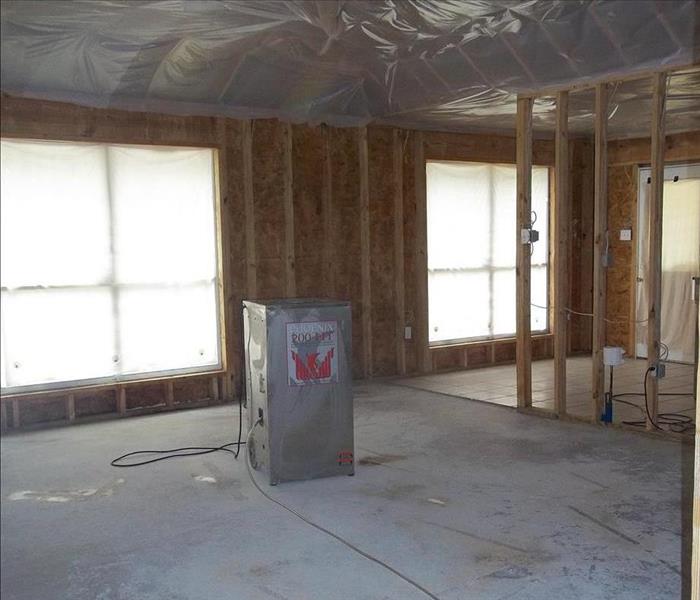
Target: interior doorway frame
672 172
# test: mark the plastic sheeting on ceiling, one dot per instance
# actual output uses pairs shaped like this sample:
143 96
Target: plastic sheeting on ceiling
430 64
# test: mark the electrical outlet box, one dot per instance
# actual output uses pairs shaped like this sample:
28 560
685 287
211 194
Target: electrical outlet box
529 236
407 333
626 234
659 370
606 259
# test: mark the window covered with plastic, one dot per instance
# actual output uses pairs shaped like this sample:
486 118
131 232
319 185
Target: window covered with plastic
109 266
472 250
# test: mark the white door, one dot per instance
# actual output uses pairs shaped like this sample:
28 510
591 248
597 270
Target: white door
680 262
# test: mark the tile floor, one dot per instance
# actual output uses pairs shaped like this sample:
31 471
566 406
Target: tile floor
497 385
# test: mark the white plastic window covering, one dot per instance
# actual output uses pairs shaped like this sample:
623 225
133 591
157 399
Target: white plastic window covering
472 250
680 261
109 266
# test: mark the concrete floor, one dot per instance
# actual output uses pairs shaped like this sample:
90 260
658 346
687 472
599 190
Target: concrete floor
497 385
468 499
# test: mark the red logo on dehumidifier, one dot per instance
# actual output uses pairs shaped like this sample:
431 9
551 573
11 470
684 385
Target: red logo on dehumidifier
310 369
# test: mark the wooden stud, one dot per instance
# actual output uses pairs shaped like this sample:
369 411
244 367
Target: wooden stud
250 260
561 250
16 421
70 407
289 262
225 278
656 202
423 359
121 400
169 394
600 227
399 283
329 234
214 389
365 253
523 343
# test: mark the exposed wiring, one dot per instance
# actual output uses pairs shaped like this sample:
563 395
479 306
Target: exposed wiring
676 422
584 314
322 529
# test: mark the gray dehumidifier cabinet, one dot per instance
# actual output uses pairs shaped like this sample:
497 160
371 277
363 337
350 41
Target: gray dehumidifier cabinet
299 388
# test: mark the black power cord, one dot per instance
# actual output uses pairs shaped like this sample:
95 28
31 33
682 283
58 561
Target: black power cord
174 453
186 451
190 450
676 422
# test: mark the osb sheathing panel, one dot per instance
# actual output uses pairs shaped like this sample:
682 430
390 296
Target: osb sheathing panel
449 357
41 119
308 160
346 202
143 395
43 410
540 348
235 206
38 119
622 207
381 207
483 148
268 192
504 352
479 355
191 389
97 402
581 248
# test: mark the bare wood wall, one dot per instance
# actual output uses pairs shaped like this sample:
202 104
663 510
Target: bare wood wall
293 213
624 158
581 178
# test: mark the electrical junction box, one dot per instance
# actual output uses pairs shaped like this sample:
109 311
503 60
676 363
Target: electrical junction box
299 380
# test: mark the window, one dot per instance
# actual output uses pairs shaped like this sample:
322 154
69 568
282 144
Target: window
471 250
109 262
